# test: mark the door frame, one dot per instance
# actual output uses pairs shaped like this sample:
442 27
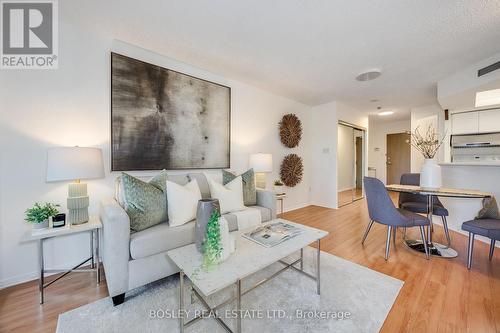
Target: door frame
364 155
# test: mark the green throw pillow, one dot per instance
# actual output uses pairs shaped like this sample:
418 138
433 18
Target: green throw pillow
145 202
489 210
249 192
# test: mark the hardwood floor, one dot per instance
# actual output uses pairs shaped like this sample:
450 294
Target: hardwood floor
439 295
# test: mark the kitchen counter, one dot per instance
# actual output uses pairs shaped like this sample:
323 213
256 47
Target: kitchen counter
481 164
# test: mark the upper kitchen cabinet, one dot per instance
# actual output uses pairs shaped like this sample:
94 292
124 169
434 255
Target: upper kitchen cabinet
475 122
489 121
465 123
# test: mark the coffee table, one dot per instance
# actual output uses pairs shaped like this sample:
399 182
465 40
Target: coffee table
248 259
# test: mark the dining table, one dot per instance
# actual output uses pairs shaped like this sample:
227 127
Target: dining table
436 249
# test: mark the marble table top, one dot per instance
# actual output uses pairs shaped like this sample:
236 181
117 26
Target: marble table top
248 258
32 235
440 192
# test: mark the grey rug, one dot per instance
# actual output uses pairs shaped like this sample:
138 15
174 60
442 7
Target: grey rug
353 299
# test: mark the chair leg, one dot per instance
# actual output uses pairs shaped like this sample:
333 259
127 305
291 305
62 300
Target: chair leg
367 231
388 242
470 250
424 241
404 233
492 248
446 231
394 232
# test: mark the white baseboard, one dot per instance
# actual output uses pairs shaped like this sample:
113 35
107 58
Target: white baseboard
288 209
18 279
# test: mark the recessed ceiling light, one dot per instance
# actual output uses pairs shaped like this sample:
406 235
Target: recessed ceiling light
385 113
488 97
368 75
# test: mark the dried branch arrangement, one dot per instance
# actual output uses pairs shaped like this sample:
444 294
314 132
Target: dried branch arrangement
290 130
291 170
427 144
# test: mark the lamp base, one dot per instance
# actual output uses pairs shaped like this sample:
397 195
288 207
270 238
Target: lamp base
260 180
78 203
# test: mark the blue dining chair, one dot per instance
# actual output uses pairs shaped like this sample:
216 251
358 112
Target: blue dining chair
485 227
417 203
382 210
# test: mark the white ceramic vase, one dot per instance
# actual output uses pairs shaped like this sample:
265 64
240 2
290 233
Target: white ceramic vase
227 240
430 176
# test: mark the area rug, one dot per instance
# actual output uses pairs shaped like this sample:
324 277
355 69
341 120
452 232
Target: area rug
353 299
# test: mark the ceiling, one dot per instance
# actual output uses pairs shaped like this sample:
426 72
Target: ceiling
311 51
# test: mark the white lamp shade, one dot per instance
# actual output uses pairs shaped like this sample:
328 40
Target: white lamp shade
261 162
72 163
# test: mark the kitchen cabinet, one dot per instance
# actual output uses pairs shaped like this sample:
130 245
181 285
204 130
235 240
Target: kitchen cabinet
489 121
465 123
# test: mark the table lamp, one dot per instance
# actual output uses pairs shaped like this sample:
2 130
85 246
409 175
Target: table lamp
75 163
261 164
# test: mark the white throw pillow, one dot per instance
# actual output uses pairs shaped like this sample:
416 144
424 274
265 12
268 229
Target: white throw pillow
182 202
230 196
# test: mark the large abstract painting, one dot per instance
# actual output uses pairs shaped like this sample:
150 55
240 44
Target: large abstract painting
163 119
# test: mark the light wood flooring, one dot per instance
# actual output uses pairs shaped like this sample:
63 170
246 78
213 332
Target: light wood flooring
438 295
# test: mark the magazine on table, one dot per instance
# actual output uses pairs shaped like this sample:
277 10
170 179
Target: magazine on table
273 233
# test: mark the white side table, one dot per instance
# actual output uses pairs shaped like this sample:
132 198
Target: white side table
281 198
92 227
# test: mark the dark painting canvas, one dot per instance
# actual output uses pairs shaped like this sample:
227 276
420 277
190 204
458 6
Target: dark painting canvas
162 119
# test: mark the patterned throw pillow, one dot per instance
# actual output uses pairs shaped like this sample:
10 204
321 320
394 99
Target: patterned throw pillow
489 210
145 202
249 192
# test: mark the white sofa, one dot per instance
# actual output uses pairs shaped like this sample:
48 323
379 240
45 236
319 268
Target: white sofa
132 260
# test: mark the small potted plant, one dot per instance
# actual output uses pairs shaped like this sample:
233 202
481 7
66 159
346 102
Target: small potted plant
278 186
39 215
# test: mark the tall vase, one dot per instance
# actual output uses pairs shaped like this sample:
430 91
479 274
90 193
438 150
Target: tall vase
205 209
430 176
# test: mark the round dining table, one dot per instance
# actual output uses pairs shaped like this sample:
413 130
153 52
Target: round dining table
436 249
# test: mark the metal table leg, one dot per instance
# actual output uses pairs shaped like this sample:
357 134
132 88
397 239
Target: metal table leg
435 249
92 250
238 306
98 263
181 302
318 286
41 268
301 259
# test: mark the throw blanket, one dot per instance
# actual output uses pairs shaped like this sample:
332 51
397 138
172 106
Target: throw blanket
248 218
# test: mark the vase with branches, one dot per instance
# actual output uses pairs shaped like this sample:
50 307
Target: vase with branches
428 144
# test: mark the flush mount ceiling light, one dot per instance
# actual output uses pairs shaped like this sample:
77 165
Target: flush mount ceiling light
385 113
488 97
369 75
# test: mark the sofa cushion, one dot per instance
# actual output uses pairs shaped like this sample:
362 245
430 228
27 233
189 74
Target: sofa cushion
232 220
230 196
249 191
160 238
202 183
145 202
182 202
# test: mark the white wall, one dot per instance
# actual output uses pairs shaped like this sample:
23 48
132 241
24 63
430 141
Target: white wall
323 154
71 106
377 150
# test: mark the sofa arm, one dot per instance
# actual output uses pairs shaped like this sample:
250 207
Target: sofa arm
267 199
116 243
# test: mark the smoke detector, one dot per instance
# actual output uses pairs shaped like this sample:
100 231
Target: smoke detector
369 75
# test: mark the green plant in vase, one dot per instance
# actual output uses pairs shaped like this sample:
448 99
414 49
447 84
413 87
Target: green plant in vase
212 248
38 215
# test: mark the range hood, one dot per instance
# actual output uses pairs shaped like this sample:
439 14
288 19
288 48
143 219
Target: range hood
475 147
